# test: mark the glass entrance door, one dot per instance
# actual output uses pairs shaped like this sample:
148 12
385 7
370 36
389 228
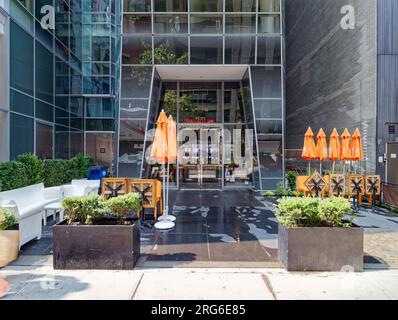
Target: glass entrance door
200 160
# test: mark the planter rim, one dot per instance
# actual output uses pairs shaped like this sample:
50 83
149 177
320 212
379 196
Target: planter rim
63 224
353 227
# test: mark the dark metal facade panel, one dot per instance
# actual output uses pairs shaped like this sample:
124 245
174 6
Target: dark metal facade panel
331 72
388 27
387 77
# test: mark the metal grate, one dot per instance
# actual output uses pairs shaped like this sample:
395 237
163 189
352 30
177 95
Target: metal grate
391 129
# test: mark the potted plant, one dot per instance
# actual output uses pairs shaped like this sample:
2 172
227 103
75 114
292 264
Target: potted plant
318 235
9 237
98 233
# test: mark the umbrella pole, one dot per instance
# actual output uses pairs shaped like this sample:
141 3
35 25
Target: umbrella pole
320 167
333 166
168 187
309 167
164 190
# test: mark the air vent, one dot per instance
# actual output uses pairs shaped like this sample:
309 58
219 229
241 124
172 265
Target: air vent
391 129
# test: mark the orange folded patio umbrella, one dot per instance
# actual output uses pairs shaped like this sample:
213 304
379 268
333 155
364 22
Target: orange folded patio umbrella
321 150
356 149
334 147
308 152
171 158
160 154
345 149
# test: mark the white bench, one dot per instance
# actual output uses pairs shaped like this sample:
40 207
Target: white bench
28 204
92 186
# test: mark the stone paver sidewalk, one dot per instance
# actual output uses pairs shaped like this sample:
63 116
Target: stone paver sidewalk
197 284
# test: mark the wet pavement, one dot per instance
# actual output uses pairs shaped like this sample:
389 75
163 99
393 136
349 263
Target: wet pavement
223 228
234 228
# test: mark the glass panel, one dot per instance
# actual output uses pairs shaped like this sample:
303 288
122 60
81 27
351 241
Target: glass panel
76 142
206 50
61 117
21 103
137 109
266 82
269 23
100 108
240 23
206 5
100 125
171 50
21 135
137 50
269 50
233 103
21 59
271 184
44 74
269 126
240 5
170 5
96 85
240 50
136 82
131 143
137 23
271 161
206 23
45 36
76 122
96 68
136 5
44 111
269 5
44 141
100 147
100 49
76 106
61 142
170 23
168 99
200 102
268 109
21 15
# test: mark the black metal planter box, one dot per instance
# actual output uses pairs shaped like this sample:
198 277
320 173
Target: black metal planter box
113 247
321 249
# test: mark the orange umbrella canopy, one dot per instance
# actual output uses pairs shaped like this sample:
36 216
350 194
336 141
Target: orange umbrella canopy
334 146
159 147
321 150
309 146
171 140
345 151
357 150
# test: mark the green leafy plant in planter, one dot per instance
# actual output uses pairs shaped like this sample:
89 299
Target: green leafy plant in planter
83 210
291 177
121 206
314 212
7 219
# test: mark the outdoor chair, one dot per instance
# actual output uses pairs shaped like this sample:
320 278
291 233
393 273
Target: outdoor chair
113 187
151 193
301 187
327 189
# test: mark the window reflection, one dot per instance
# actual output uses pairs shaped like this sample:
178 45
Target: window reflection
136 5
206 50
136 81
171 23
137 50
269 23
206 24
266 82
171 50
137 23
240 23
171 5
271 109
240 6
206 5
269 50
269 5
239 50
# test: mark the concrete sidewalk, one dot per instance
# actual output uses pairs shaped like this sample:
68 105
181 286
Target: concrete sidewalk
43 283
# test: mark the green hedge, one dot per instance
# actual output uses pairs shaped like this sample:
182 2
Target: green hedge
28 169
13 175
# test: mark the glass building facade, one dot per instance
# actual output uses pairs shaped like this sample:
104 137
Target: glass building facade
97 82
200 33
